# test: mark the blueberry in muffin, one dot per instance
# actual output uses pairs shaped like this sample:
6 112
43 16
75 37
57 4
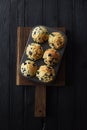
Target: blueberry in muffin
28 68
40 34
51 57
34 51
56 40
45 73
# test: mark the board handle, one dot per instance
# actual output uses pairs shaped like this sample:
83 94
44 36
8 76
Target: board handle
40 101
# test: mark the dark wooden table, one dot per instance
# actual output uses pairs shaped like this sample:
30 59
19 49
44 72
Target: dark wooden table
67 105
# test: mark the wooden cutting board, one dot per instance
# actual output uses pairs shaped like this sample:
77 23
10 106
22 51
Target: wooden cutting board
40 90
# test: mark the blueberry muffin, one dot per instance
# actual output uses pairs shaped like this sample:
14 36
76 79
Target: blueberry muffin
56 40
28 68
45 73
40 34
51 57
34 51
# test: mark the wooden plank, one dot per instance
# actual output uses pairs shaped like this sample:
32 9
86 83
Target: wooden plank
33 14
50 18
80 66
66 94
23 33
20 13
16 107
4 64
40 101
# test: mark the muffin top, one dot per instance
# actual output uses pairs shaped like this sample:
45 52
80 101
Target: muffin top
51 57
56 40
40 34
34 51
45 73
28 68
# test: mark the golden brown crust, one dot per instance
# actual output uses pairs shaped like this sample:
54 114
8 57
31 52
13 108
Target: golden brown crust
40 34
45 73
56 40
28 68
34 51
51 57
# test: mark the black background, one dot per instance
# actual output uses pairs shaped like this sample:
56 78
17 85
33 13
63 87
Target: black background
67 105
